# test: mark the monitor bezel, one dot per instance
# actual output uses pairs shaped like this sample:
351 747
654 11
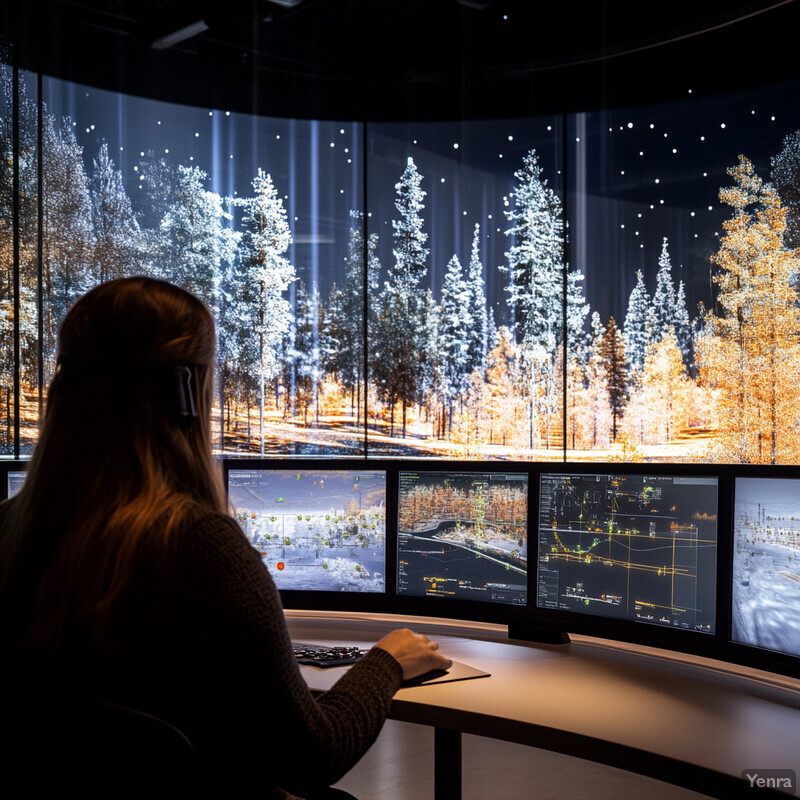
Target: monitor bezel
512 615
377 602
551 623
740 652
7 466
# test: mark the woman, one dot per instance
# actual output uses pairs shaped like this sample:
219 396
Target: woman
122 573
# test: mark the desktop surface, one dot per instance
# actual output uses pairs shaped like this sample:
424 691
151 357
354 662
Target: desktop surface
690 721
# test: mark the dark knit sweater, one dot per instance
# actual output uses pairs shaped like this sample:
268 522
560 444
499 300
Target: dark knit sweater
200 640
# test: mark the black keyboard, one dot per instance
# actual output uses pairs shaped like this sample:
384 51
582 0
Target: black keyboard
317 655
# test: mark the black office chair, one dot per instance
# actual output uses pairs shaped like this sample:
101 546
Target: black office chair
78 747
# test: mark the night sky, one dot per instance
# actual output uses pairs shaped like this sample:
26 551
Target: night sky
633 177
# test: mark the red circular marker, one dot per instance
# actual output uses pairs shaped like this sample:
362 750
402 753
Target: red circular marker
280 565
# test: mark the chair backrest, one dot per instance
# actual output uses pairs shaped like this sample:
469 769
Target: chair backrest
81 747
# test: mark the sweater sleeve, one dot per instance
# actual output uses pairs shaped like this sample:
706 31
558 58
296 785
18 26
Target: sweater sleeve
234 605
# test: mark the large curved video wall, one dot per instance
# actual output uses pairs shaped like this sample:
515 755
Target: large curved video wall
609 285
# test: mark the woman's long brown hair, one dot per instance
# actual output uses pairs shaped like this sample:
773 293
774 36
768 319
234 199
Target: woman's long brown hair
113 462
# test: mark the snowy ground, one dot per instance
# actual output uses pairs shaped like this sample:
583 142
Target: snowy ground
766 596
320 552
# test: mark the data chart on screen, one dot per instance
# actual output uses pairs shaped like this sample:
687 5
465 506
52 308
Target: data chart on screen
631 547
321 530
463 535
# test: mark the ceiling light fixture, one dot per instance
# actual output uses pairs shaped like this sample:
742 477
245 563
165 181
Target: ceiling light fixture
181 35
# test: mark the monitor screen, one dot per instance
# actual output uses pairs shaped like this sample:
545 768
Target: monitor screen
766 564
632 547
318 530
463 535
15 480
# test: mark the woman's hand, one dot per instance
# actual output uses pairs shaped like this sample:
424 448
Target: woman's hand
415 653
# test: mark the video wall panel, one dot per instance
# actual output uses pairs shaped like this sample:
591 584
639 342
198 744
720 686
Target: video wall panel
605 285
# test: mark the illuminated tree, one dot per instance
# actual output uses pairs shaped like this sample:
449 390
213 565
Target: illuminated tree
664 296
683 326
598 433
636 331
749 353
68 242
453 327
477 320
657 406
502 378
25 168
302 355
267 276
398 361
611 354
786 177
118 246
536 290
360 279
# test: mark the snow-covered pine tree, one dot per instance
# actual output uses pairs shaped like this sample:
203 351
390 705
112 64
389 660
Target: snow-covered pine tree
24 169
157 179
786 177
476 317
410 252
267 274
577 311
453 343
636 329
598 433
360 280
535 259
612 356
664 296
118 248
304 355
195 235
536 288
683 327
68 236
492 333
397 362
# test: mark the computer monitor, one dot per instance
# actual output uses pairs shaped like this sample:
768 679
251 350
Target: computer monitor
14 482
765 605
317 530
631 547
463 535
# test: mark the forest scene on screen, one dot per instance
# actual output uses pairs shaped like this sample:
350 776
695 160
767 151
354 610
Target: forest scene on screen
616 285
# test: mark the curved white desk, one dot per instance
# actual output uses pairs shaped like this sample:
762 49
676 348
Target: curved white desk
690 721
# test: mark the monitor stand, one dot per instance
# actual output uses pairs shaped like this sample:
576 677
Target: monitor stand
536 633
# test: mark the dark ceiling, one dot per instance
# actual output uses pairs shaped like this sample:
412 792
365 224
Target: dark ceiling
408 59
